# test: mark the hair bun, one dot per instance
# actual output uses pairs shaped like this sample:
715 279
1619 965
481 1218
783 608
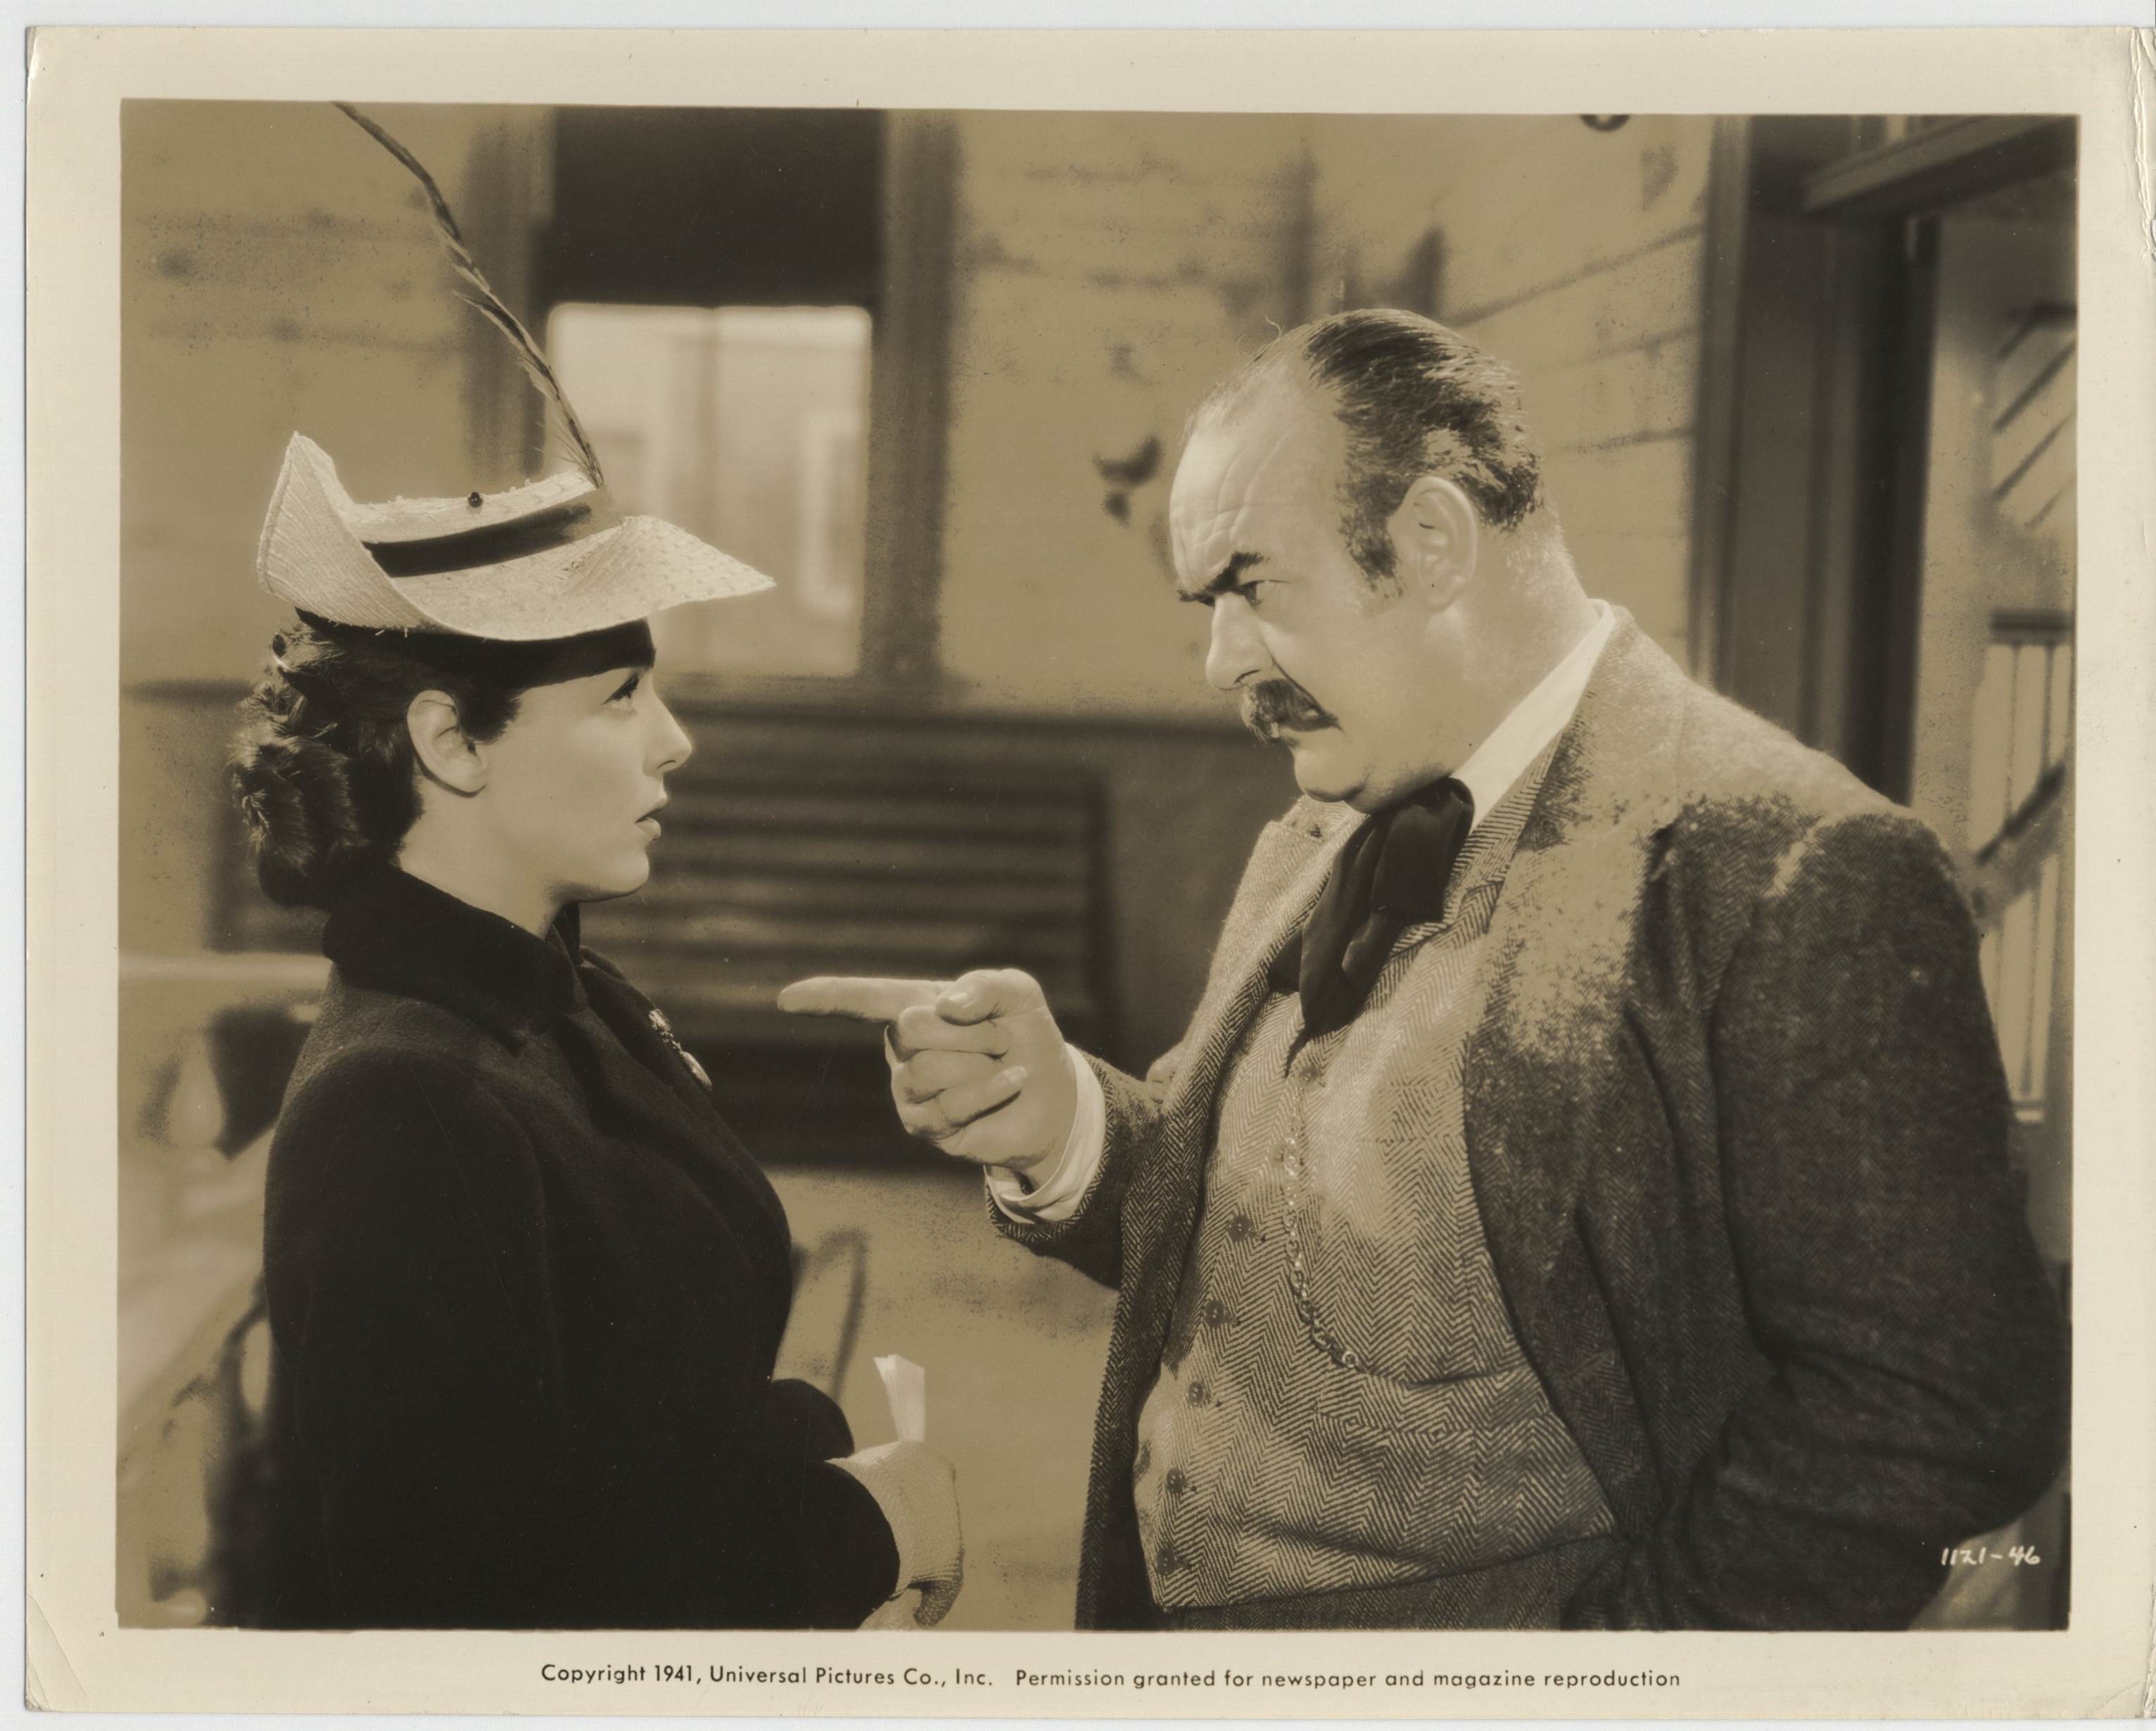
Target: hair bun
323 768
294 792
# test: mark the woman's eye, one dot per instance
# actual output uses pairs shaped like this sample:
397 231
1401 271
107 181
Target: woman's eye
628 689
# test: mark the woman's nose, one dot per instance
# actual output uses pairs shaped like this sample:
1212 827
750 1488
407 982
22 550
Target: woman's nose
671 745
1236 652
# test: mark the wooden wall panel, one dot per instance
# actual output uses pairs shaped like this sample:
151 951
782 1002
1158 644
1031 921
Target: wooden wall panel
1577 257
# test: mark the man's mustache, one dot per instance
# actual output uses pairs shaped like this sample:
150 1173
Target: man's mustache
1271 706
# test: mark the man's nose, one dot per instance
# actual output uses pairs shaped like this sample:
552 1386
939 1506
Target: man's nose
1236 653
671 745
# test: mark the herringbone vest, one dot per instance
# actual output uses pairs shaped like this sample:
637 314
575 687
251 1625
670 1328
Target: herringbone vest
1342 1402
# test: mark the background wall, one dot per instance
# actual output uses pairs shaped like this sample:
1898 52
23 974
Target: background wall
1579 256
279 274
1111 267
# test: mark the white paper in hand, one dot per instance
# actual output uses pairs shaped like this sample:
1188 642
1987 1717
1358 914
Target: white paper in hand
906 1386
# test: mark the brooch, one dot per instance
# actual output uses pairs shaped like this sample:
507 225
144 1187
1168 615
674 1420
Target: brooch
665 1029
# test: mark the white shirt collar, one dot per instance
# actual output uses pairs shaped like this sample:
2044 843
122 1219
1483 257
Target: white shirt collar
1536 720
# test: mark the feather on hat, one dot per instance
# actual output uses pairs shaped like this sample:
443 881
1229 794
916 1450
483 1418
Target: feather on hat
553 558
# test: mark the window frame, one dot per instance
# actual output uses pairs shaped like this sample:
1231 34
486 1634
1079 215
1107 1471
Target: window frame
899 665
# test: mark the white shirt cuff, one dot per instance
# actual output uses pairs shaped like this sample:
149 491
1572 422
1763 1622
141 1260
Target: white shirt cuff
1056 1197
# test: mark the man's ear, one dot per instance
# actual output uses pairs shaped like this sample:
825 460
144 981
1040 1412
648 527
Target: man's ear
446 756
1436 539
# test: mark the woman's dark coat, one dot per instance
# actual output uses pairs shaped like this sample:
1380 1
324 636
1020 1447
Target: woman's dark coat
527 1291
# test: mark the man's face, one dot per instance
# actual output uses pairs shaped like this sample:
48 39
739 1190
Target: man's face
1338 671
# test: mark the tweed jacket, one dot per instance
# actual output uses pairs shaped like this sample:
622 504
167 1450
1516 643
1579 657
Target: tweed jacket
1736 1129
526 1293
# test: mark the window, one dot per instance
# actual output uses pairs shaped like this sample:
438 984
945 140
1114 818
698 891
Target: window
2024 715
746 425
778 249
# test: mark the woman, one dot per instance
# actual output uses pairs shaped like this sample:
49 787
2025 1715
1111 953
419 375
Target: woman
526 1289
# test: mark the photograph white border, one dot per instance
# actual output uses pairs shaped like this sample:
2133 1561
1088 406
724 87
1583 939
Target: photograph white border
78 1657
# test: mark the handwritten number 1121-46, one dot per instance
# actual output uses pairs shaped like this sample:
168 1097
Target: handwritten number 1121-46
1954 1556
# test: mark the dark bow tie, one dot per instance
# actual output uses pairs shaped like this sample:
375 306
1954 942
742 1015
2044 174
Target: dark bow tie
1391 875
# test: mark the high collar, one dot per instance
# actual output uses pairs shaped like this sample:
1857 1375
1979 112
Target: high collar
389 929
1532 724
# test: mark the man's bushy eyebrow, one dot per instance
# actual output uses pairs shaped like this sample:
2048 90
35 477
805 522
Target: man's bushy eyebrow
1225 579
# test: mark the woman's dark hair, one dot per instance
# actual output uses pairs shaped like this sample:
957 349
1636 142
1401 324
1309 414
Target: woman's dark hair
323 767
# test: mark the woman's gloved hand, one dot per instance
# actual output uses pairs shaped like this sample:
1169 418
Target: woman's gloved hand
918 1493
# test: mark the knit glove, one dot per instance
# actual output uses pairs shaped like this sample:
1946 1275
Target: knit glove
918 1493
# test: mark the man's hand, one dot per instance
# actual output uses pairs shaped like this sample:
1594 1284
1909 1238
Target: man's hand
978 1065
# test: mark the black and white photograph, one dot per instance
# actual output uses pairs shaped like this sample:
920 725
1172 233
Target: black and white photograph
1261 875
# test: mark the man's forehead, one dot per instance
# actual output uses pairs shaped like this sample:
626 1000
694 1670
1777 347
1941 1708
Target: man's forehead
1266 460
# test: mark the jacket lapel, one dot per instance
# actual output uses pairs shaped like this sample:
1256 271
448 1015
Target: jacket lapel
1279 887
650 1097
632 1019
1546 1063
1285 874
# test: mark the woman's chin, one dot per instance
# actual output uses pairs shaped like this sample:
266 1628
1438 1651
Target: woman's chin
624 879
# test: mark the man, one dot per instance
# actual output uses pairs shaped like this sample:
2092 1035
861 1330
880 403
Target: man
1581 1198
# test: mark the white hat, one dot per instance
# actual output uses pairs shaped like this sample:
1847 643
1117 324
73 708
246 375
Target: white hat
553 558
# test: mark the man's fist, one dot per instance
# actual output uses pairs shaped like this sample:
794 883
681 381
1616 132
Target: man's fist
978 1065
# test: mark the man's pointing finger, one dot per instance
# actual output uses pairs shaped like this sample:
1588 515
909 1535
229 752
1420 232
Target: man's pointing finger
865 1000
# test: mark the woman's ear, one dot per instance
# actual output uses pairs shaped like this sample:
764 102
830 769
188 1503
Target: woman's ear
1436 539
447 756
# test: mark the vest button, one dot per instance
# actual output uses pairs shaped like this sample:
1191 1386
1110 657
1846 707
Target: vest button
1216 1313
1239 1228
1196 1394
1168 1558
1177 1481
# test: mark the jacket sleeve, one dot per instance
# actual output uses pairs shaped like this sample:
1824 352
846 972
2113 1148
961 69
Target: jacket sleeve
1091 1239
1916 1392
406 1269
828 1556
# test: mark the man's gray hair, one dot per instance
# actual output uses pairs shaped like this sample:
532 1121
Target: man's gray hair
1414 398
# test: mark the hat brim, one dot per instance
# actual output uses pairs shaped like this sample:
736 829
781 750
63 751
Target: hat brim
314 554
641 569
